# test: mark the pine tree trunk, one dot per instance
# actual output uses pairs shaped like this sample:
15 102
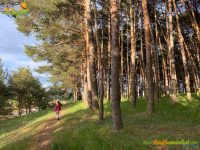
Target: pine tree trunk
84 73
181 44
133 56
149 75
101 94
156 60
83 70
29 109
122 63
74 96
143 70
115 59
87 77
20 106
166 62
127 59
165 74
85 83
195 21
97 45
91 70
109 58
173 83
192 18
193 68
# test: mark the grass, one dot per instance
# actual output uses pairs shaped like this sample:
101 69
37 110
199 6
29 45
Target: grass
16 133
79 128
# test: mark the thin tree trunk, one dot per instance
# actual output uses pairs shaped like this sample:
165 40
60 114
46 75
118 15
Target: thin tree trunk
75 93
29 109
26 110
133 56
109 58
128 67
84 73
194 21
19 106
192 18
156 60
115 59
149 87
173 83
85 83
97 45
83 67
101 112
166 64
181 44
87 77
91 70
74 96
122 62
191 59
142 56
165 74
193 68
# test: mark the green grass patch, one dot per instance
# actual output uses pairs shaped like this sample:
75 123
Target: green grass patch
179 121
79 127
15 133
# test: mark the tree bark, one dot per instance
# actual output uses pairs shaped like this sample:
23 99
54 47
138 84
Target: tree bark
156 60
173 82
101 94
109 58
133 56
181 44
149 75
91 69
84 78
127 58
165 74
143 70
115 60
194 21
97 45
122 62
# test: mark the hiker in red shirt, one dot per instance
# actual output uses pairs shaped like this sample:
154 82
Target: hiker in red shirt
57 109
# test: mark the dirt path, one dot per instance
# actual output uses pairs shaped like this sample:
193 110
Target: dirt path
43 139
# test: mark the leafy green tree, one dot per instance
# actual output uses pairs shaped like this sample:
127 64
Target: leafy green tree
62 40
26 90
39 95
5 106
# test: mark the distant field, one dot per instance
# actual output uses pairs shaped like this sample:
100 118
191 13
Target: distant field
79 128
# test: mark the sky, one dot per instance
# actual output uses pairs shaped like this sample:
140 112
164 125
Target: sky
12 48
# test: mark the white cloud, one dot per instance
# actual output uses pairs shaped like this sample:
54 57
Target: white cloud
12 48
12 62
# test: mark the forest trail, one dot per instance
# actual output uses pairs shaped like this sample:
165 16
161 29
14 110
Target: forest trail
42 140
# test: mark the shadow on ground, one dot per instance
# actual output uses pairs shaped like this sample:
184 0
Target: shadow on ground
79 127
81 130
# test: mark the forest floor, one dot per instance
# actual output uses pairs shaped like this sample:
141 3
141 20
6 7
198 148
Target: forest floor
79 128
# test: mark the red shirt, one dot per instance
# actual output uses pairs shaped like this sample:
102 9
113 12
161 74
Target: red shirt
57 108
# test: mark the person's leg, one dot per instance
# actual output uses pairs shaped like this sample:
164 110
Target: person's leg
57 115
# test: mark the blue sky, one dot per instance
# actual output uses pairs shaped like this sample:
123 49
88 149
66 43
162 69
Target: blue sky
12 48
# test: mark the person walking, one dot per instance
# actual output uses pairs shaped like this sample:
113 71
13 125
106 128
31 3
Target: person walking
57 109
